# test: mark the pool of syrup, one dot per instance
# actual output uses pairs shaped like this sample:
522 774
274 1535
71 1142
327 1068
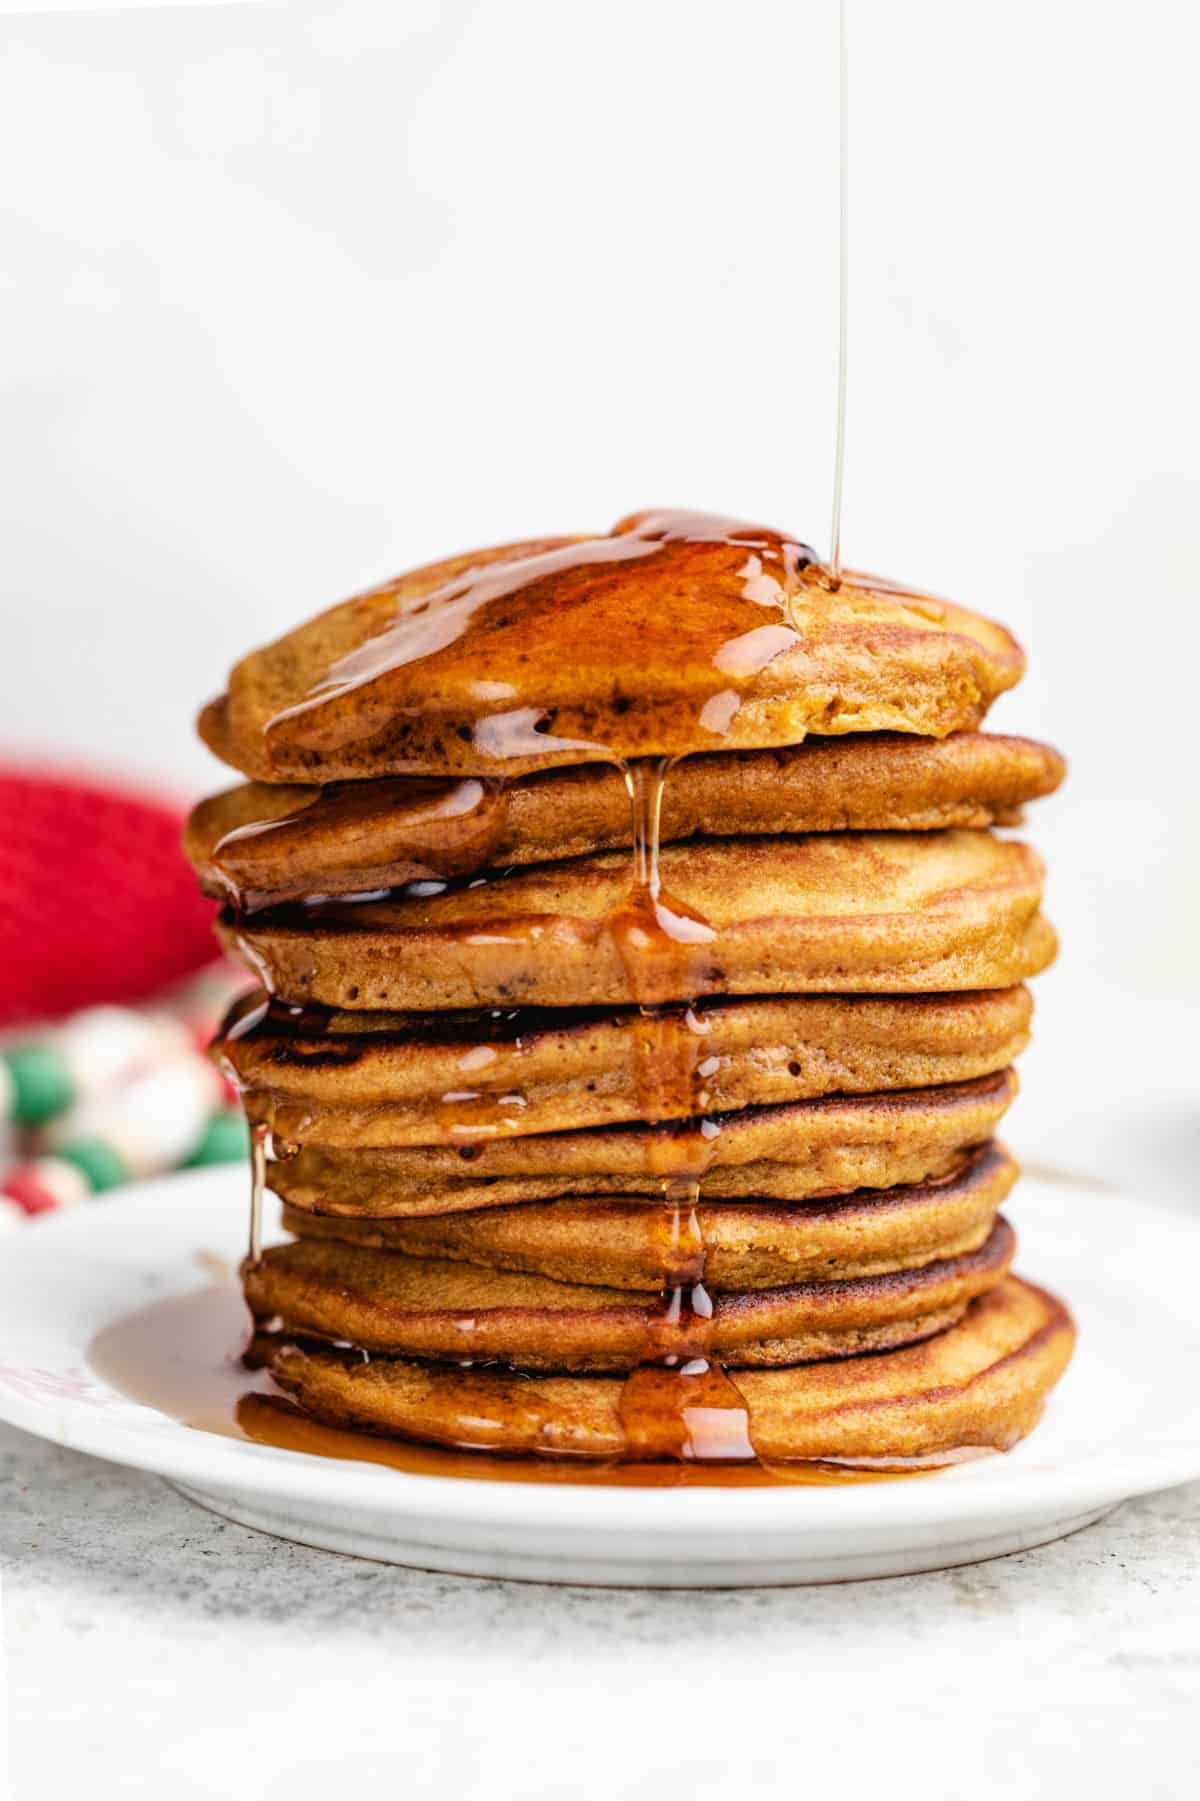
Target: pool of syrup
183 1357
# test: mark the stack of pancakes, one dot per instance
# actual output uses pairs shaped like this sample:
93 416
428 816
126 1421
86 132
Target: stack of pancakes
473 1094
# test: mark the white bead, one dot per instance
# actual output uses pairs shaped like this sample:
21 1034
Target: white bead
104 1045
63 1180
154 1121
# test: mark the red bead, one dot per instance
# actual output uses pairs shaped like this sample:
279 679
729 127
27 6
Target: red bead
23 1186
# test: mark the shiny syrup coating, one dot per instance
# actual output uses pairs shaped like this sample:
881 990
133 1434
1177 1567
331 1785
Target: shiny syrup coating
598 649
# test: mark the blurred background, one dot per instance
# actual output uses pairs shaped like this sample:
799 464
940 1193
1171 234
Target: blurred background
294 297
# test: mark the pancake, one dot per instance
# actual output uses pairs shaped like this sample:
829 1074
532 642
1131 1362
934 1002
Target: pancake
796 1152
981 1383
752 1244
878 912
265 844
365 1079
673 634
433 1307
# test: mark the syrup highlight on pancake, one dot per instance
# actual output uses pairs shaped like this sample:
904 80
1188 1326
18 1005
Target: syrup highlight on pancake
739 582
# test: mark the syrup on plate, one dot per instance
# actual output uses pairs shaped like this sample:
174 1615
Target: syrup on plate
180 1356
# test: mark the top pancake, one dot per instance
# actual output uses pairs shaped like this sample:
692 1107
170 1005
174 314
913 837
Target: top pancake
675 633
265 843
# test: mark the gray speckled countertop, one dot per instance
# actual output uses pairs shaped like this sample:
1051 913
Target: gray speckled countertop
153 1649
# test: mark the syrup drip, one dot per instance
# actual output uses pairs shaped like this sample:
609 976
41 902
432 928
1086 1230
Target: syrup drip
680 1404
258 1183
241 1019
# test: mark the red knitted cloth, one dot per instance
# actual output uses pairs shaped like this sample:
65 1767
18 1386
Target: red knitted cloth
96 900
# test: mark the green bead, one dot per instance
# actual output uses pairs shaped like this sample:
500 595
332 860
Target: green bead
41 1083
98 1161
225 1139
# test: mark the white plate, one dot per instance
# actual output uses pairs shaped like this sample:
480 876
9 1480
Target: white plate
1125 1420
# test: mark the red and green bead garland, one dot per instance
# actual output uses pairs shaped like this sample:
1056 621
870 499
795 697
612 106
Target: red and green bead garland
109 1097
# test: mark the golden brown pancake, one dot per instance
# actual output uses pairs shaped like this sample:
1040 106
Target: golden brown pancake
268 844
433 1307
366 1079
793 1152
869 912
981 1383
673 634
749 1244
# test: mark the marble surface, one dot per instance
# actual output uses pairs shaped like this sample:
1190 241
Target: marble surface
153 1649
